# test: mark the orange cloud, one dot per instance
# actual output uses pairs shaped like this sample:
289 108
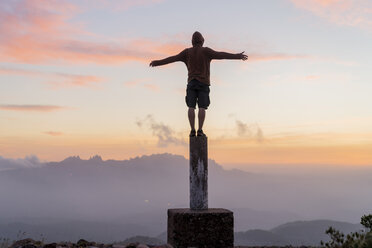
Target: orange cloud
68 80
311 77
34 108
355 13
53 133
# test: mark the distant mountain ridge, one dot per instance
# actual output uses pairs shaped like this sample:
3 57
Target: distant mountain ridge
76 197
307 233
295 233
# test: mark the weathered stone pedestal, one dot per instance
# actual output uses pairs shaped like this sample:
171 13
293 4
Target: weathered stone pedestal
211 228
200 226
198 173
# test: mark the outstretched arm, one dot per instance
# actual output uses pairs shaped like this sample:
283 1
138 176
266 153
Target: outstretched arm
179 57
225 55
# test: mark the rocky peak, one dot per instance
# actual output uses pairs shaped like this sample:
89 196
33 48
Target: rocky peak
96 158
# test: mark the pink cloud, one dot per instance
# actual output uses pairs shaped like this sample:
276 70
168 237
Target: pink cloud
32 108
152 87
53 133
133 83
36 31
70 80
56 79
14 71
142 82
355 13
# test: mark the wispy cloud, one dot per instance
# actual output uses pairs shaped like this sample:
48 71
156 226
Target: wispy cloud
53 133
143 83
133 83
31 108
37 32
354 13
250 131
16 71
57 79
152 87
70 80
165 135
311 77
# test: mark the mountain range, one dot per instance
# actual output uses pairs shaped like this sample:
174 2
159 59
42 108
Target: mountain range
111 200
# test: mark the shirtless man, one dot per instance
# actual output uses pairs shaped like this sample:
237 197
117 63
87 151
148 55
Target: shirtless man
197 59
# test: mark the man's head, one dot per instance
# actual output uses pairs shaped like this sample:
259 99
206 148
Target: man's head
197 39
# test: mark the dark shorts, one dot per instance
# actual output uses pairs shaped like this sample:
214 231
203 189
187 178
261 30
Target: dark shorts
197 92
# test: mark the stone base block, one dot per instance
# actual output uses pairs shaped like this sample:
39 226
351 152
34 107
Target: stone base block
213 227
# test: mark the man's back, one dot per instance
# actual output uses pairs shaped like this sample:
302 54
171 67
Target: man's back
198 63
198 60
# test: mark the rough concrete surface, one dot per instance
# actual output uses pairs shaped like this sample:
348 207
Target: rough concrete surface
201 228
198 173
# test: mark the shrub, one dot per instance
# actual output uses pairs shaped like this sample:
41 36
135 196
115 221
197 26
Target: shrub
4 242
361 239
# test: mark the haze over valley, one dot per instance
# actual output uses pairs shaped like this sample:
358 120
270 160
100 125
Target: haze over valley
131 197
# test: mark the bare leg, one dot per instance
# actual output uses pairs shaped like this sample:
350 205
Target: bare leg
201 117
191 115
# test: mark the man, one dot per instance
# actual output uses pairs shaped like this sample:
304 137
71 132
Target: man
197 59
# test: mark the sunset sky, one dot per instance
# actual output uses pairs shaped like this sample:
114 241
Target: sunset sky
75 79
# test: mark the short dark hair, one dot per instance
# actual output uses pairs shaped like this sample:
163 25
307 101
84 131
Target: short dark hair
197 38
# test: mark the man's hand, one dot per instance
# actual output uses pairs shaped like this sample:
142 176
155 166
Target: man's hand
243 56
154 63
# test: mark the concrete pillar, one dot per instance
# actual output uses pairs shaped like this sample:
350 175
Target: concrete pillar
211 228
199 226
198 173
